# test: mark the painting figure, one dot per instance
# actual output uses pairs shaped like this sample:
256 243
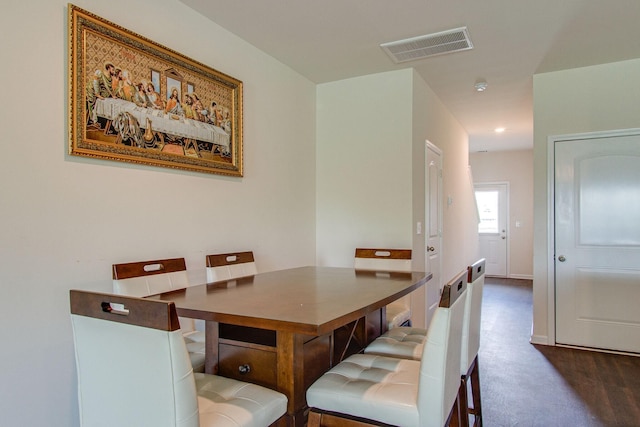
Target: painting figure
99 87
154 97
140 98
173 103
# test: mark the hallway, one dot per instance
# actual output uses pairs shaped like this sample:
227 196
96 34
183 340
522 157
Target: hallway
532 385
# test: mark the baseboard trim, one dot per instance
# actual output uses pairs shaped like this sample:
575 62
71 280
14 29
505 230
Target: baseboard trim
539 339
600 350
521 276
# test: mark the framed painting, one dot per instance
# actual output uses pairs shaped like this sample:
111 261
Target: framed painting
133 100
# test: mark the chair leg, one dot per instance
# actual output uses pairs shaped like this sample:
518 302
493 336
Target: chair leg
314 419
453 420
320 418
475 392
472 378
464 403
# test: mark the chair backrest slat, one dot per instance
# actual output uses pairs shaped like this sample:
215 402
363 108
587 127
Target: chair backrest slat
154 314
383 253
232 258
476 270
148 268
453 289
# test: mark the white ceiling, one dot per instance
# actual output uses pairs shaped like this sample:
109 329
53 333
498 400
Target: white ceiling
328 40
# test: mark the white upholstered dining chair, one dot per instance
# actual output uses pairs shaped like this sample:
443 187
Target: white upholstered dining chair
230 266
367 389
147 278
408 343
390 260
470 370
133 370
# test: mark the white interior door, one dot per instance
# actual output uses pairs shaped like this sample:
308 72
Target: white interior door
597 242
493 201
433 238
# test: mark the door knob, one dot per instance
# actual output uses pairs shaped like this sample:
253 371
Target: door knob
561 258
430 249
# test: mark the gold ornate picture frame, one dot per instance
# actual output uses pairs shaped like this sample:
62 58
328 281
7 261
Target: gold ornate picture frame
133 100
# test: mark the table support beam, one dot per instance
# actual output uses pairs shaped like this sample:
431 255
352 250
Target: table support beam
212 336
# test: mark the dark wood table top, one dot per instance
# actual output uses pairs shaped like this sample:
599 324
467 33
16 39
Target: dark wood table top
306 300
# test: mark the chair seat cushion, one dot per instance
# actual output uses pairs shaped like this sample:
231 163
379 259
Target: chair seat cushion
397 314
369 386
195 336
225 402
404 342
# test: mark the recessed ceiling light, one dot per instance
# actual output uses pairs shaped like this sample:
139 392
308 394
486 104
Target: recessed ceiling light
481 86
499 130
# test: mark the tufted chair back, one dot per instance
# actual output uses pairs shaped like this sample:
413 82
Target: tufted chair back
229 266
473 308
146 278
392 260
440 367
132 364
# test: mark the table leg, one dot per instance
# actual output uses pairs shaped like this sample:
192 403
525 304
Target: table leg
290 361
212 335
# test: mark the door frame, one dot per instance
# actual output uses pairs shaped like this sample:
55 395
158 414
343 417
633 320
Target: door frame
551 226
507 225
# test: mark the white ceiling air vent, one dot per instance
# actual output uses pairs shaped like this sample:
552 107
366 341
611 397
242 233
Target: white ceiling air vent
425 46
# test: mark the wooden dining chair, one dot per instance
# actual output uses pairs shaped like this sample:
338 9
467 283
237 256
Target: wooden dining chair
367 389
391 260
133 370
147 278
230 266
408 343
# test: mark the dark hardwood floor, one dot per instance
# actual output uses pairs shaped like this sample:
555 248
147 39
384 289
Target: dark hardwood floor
532 385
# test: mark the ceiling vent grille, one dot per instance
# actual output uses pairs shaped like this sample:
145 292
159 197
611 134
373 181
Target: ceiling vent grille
421 47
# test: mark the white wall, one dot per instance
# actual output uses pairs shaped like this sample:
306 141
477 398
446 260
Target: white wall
65 219
516 168
371 133
363 189
589 99
434 122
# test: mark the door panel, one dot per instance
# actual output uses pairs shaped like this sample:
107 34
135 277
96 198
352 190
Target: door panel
597 242
433 239
492 200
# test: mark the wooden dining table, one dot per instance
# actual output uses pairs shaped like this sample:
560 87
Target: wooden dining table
283 329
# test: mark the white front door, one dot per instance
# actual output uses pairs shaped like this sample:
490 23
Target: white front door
433 221
493 201
597 242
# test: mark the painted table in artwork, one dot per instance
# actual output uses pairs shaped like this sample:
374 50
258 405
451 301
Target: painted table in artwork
171 124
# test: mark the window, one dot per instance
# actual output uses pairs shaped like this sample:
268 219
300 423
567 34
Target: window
488 211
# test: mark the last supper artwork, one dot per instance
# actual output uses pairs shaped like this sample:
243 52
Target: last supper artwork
136 101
